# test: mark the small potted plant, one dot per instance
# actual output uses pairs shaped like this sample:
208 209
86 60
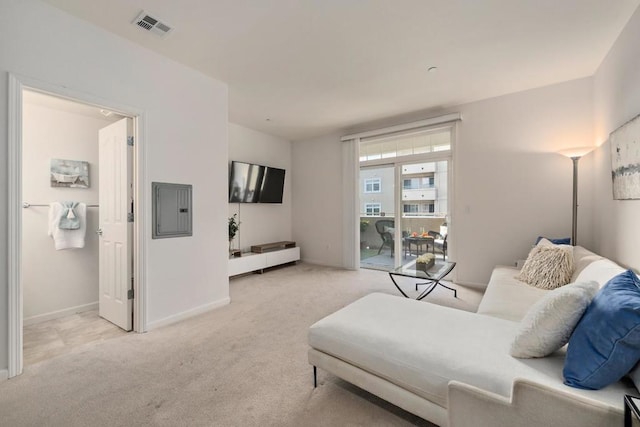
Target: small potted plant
234 226
425 262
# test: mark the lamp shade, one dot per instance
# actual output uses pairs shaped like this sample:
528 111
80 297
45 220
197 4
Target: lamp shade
577 151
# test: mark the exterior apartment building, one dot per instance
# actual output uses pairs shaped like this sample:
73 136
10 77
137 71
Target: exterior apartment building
424 190
404 186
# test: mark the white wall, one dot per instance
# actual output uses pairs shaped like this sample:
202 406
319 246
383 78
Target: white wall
186 139
317 199
54 281
509 185
617 100
262 222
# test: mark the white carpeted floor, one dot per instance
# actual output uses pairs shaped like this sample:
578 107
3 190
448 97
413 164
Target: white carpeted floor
241 365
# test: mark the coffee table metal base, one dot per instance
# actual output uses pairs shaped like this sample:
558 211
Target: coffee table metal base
433 284
433 279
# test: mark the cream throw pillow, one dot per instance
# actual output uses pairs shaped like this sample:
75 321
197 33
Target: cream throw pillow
548 266
549 323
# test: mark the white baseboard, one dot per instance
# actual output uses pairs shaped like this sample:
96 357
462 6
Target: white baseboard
60 313
4 374
187 314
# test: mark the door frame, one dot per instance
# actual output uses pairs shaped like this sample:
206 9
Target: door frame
448 122
396 163
17 84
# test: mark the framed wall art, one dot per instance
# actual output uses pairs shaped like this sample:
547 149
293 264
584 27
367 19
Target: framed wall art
625 160
69 173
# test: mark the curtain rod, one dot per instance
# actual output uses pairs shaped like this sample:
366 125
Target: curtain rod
405 126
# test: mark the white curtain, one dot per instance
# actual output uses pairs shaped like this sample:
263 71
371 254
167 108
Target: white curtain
351 204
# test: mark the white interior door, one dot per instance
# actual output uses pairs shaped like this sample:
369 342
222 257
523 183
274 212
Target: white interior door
115 180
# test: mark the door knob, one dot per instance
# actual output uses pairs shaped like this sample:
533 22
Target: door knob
99 231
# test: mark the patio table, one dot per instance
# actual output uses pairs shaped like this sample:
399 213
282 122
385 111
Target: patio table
419 242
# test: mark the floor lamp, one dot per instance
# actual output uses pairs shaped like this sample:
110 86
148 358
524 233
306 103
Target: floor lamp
575 154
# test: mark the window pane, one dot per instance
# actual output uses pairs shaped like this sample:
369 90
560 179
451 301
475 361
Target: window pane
372 185
388 149
372 208
405 144
421 150
375 152
364 150
405 147
376 190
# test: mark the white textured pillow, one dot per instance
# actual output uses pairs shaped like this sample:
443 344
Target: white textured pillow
549 323
548 267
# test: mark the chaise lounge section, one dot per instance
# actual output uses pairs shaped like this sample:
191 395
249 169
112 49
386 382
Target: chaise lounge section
453 368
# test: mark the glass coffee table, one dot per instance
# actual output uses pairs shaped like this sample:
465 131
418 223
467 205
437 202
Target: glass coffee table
432 277
631 411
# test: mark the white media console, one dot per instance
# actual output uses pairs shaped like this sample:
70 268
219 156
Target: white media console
264 256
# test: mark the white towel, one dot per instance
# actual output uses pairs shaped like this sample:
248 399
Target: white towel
67 239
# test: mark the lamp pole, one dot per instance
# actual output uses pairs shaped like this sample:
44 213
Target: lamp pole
575 154
574 224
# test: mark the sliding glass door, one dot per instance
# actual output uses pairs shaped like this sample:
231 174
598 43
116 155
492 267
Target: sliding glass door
377 217
424 207
405 188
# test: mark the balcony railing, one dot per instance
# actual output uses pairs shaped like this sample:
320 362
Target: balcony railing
418 187
423 195
370 241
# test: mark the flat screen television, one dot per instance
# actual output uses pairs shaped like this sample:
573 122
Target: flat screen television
272 186
251 183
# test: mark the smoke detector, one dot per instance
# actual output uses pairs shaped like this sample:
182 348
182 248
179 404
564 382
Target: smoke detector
152 24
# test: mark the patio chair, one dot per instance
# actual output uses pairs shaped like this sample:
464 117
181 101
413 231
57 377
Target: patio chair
439 242
385 227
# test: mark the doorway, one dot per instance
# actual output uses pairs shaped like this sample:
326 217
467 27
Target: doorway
404 192
404 209
23 180
70 152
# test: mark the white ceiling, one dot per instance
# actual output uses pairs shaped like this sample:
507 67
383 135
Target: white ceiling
317 66
56 103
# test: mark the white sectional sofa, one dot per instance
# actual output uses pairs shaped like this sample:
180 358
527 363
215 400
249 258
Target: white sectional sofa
453 367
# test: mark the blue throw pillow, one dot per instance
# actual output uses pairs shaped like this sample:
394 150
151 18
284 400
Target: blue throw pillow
605 345
562 241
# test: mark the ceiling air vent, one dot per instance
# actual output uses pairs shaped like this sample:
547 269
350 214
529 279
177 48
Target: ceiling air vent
152 24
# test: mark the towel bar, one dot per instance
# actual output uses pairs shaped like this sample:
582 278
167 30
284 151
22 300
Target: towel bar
26 205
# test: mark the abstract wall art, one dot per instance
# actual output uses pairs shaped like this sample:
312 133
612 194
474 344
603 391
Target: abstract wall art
625 160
